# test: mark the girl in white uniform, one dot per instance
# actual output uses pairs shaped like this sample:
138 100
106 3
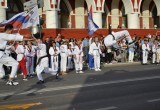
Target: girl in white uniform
70 57
30 55
78 57
54 51
64 54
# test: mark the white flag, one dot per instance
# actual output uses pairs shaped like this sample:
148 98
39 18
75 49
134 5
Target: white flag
33 18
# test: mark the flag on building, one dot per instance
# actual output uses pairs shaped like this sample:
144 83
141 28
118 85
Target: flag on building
24 19
92 27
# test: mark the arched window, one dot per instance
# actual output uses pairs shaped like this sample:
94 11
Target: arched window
124 18
64 15
155 20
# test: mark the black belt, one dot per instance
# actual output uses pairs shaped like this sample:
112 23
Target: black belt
2 50
113 36
39 60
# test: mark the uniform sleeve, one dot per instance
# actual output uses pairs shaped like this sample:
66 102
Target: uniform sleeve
51 51
8 37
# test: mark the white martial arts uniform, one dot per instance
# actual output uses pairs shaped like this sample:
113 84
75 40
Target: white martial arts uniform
30 55
64 54
43 64
158 54
110 40
54 58
5 59
154 49
145 49
131 52
78 59
70 63
96 51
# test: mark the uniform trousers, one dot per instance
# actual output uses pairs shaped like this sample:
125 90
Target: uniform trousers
78 63
54 63
30 64
63 62
9 61
43 66
97 61
154 58
158 57
131 56
145 57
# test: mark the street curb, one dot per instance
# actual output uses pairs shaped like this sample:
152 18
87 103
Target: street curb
122 64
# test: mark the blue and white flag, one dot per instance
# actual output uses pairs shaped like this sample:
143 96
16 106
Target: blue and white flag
92 27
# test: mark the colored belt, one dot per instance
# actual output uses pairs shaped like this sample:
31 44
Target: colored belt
2 50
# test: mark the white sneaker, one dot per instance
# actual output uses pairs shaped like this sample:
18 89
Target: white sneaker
25 79
12 83
99 69
77 71
96 69
81 72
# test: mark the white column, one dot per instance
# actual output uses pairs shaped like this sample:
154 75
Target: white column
52 19
2 14
97 18
133 21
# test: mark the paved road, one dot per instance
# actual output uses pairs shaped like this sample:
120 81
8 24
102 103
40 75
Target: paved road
125 87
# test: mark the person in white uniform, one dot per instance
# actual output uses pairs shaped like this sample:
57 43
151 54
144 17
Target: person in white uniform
30 56
42 60
5 59
64 55
154 49
54 52
114 37
145 50
96 52
78 57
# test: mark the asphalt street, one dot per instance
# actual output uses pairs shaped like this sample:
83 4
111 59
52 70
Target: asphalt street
116 87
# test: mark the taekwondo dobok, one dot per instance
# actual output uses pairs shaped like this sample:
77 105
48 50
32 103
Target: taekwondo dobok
112 38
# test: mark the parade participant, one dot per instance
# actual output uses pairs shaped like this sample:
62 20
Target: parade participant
115 37
91 60
78 57
70 57
145 49
64 54
30 56
42 60
54 53
20 50
131 52
95 52
154 49
158 54
5 59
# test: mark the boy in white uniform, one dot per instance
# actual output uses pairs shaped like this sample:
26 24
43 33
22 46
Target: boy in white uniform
42 60
145 49
96 52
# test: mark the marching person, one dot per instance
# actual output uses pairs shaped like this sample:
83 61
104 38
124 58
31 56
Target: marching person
70 57
64 54
54 53
158 54
5 59
42 60
154 49
30 56
96 52
131 52
145 49
21 59
78 57
114 37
